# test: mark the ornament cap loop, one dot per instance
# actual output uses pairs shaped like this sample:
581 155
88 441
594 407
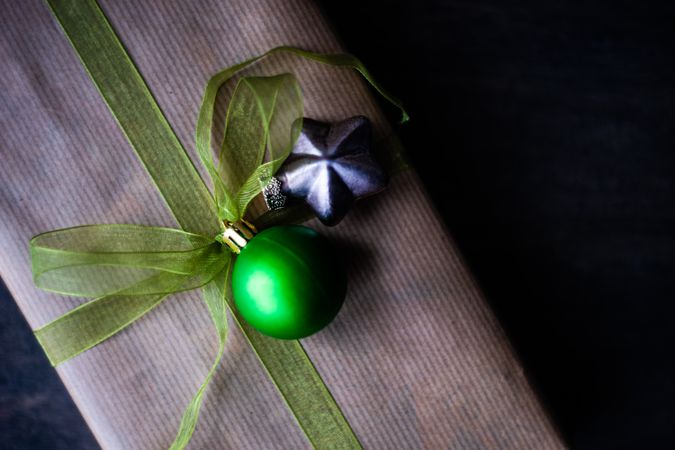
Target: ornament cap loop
237 234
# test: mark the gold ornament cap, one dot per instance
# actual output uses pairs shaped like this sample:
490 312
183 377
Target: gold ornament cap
237 234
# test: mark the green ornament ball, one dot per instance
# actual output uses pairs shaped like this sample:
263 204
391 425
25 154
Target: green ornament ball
288 282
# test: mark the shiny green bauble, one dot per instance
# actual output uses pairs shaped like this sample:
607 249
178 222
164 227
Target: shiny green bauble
288 282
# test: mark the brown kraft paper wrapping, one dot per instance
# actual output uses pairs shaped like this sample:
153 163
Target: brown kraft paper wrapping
415 359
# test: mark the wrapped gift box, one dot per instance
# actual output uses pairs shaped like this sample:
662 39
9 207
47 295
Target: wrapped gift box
415 359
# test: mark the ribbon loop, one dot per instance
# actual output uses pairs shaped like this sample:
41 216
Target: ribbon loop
100 260
129 269
264 119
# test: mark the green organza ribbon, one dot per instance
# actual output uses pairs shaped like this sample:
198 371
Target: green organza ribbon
127 270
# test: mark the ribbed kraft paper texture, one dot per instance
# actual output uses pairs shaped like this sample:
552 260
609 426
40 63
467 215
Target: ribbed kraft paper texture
415 359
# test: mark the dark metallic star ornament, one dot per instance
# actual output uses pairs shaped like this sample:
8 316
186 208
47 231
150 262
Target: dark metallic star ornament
331 166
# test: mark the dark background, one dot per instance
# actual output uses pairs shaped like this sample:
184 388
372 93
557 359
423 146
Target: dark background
544 132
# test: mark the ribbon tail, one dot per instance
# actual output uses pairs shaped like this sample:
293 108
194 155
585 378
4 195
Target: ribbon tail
214 296
348 61
92 323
